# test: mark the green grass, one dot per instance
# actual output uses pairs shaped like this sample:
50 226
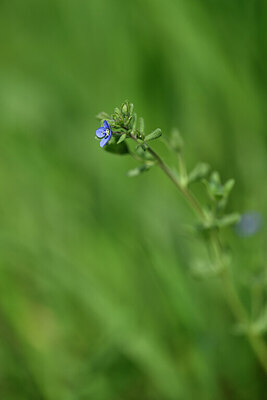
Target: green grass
96 296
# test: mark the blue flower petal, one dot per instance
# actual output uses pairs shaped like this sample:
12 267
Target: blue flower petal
105 140
100 132
106 125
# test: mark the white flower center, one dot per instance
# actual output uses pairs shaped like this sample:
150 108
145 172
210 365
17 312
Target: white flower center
107 132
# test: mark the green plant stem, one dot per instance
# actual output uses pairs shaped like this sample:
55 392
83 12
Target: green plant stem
231 295
183 189
182 168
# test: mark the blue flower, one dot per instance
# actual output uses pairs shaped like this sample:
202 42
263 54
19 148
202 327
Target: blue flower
104 133
249 224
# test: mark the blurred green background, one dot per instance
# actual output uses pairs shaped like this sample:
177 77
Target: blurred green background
96 296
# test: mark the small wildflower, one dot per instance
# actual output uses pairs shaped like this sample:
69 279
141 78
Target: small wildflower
104 133
250 224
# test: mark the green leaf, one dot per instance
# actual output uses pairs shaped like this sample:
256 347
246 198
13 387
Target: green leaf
176 141
200 171
153 135
215 188
228 186
138 170
120 149
227 220
122 138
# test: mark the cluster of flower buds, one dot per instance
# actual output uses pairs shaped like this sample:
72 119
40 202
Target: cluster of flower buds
121 125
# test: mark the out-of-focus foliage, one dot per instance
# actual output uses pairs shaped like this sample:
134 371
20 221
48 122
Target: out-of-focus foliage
96 296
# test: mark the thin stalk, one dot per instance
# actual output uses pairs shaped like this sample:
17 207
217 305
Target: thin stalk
184 191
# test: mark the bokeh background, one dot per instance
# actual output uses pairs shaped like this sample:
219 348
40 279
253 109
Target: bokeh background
97 298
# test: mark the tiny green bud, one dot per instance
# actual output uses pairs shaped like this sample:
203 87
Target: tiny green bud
117 111
125 107
153 135
214 185
131 108
141 126
215 177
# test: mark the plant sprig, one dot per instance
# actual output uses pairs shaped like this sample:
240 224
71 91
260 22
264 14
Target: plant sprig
125 126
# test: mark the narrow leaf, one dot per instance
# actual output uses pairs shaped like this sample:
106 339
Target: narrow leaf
153 135
134 122
200 171
131 107
229 186
229 219
122 138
